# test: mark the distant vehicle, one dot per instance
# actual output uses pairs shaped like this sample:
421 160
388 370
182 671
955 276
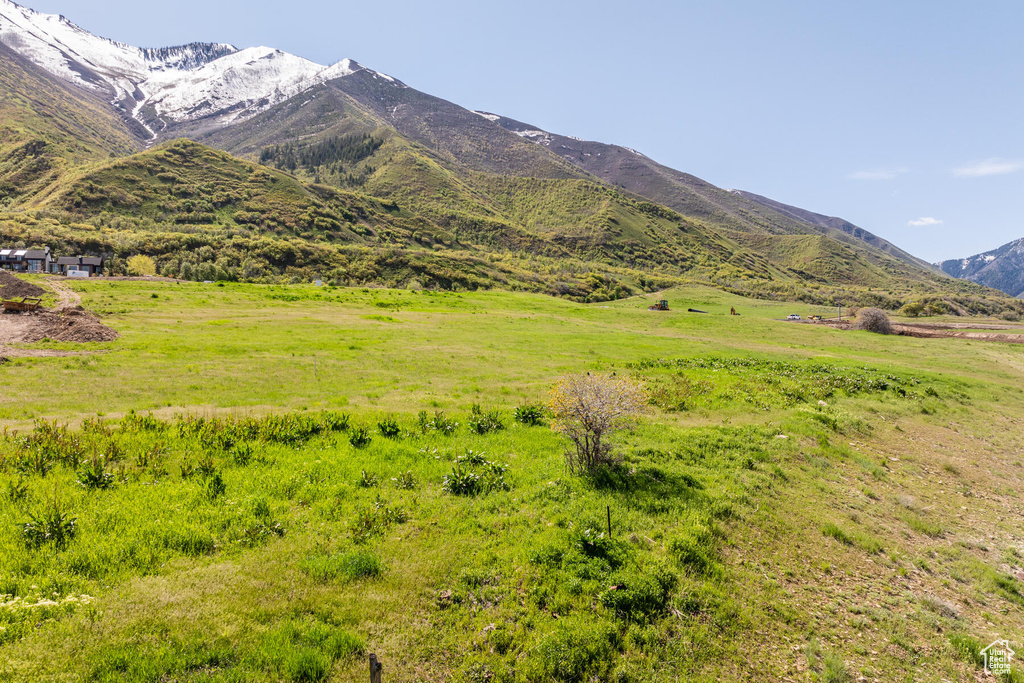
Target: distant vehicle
792 316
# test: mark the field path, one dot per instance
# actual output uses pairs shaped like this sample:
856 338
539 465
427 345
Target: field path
67 297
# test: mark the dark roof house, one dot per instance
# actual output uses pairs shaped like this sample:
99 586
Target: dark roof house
26 260
80 266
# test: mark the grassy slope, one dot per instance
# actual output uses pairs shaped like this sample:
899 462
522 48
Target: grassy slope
855 546
48 128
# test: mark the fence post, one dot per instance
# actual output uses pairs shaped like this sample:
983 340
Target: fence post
609 521
375 669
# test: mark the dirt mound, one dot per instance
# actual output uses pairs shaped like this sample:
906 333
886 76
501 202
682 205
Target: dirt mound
73 325
12 287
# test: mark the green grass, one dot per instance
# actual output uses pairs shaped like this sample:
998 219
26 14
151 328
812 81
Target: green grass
226 525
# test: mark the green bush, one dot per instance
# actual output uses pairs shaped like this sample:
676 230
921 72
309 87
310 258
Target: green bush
531 415
51 527
439 422
368 479
483 423
473 475
405 480
389 428
94 474
360 437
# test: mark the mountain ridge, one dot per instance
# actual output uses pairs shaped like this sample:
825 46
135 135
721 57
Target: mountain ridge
1001 268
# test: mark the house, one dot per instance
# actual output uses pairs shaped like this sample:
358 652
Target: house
80 266
26 260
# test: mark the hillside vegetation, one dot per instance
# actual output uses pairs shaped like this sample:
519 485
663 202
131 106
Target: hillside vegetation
47 129
202 214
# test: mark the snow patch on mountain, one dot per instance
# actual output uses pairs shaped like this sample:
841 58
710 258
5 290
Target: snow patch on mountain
487 115
157 86
538 136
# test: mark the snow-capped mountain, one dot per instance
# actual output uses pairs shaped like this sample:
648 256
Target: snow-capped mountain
1001 268
164 86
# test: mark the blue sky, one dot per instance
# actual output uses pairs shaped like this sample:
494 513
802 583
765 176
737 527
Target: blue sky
904 118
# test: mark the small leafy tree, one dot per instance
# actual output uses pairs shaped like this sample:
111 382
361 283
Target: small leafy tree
141 264
912 309
587 408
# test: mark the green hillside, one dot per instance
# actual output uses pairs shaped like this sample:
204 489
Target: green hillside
48 128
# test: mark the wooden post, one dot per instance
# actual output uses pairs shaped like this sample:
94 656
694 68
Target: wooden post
609 509
375 669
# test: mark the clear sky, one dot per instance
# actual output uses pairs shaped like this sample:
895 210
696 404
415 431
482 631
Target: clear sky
902 117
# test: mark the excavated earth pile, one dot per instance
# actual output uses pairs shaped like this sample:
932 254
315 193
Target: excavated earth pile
12 287
66 323
73 324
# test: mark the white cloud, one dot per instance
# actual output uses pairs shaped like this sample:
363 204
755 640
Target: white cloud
878 174
987 167
923 221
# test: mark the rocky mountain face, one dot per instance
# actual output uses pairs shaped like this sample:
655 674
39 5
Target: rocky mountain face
1001 268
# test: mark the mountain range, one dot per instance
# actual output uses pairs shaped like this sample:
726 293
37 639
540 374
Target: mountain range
296 169
1001 268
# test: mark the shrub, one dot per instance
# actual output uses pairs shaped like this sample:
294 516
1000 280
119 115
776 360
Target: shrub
530 415
54 527
473 475
141 265
360 437
94 474
389 428
912 309
438 423
242 454
589 407
873 320
375 520
482 423
215 486
17 490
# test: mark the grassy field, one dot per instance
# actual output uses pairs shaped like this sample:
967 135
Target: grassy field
800 502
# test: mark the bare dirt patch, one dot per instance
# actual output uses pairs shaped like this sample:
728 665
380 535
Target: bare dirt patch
68 322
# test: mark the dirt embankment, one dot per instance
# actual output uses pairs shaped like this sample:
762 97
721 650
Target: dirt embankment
68 322
943 331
